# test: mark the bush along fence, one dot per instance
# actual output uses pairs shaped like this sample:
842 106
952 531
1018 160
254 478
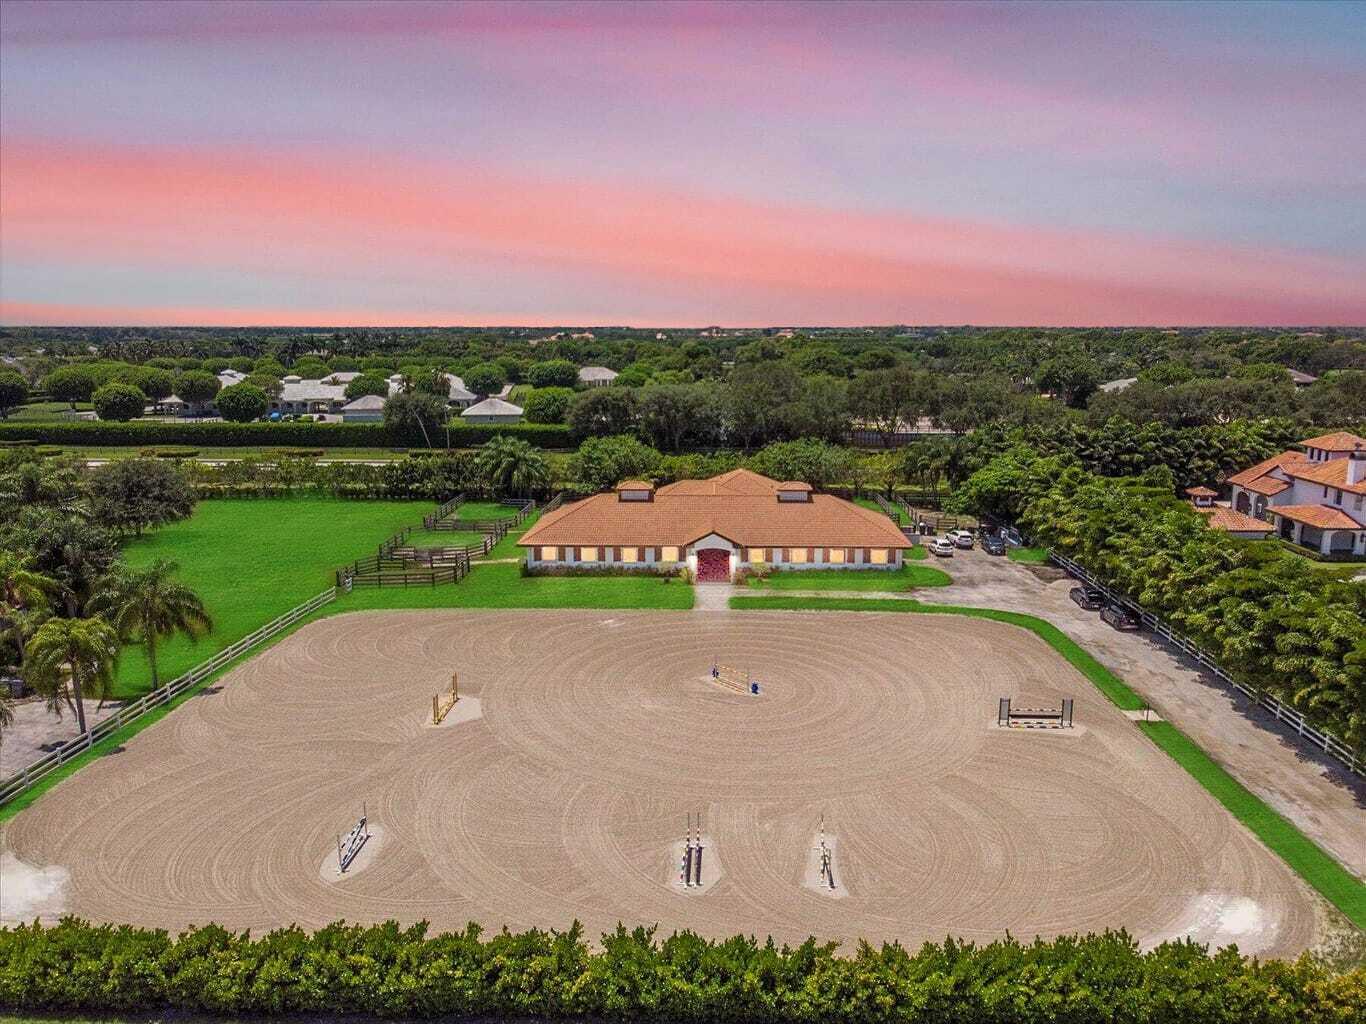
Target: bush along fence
1326 742
390 971
36 771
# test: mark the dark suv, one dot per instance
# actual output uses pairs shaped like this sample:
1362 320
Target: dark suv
1087 597
994 544
1121 618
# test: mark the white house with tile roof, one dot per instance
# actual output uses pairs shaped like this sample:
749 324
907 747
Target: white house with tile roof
1315 497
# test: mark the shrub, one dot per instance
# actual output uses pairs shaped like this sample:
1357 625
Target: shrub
75 383
553 373
118 402
548 405
132 494
602 462
387 970
367 384
251 435
242 403
197 386
13 391
485 379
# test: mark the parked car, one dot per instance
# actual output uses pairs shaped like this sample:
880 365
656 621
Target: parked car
961 538
1121 618
941 546
1088 597
994 544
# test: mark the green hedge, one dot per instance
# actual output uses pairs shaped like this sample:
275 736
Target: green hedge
248 435
390 971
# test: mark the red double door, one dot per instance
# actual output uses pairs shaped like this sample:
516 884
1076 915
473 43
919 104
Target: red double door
713 566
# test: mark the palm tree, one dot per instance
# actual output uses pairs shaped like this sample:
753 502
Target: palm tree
81 652
148 604
24 593
508 465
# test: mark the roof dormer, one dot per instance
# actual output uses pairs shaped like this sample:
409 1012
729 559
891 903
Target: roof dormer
1201 497
794 490
635 490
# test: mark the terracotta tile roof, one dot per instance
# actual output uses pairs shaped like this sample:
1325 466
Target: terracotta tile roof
1322 516
1201 492
1340 441
1220 518
635 485
741 506
794 485
1332 473
1264 467
1268 486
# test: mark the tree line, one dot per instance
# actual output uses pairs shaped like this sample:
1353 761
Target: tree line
1269 617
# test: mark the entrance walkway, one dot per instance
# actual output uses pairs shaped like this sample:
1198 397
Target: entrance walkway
713 597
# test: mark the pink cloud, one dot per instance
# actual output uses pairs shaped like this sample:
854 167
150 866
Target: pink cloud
329 215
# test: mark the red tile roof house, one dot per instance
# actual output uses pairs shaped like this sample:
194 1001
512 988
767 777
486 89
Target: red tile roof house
715 527
1315 498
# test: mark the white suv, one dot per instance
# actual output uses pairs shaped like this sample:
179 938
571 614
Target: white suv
961 538
941 546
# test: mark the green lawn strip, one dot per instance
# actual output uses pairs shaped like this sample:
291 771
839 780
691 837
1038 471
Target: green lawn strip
1028 556
253 560
1101 677
507 547
908 577
916 554
1332 881
504 586
442 539
1318 868
472 510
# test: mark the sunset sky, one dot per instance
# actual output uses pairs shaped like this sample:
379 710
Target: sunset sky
682 164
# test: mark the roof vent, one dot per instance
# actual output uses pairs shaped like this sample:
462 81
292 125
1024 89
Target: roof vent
635 490
794 490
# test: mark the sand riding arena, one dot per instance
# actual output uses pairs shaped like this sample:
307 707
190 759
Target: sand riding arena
589 755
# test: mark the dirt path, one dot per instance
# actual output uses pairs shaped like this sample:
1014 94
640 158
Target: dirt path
563 794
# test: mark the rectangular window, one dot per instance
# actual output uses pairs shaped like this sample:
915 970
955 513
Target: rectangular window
668 555
757 555
879 556
630 554
1337 500
588 554
550 554
797 556
834 556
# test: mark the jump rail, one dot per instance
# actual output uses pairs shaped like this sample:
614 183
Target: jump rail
33 773
1327 742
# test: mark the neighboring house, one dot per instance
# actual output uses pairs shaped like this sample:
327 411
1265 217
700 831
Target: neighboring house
596 376
492 410
1316 497
459 397
1301 379
1221 517
1112 386
366 409
715 527
299 397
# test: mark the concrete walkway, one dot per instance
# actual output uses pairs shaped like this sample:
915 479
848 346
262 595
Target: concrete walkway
713 597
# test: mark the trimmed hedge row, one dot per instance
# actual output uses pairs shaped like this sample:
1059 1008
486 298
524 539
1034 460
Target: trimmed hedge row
391 971
248 435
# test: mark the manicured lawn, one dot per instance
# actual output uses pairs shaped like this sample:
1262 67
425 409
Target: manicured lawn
873 506
507 547
1299 852
47 411
1028 556
504 586
472 510
98 451
442 538
908 577
251 561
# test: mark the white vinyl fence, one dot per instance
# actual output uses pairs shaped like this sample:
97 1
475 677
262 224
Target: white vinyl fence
1331 745
37 770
